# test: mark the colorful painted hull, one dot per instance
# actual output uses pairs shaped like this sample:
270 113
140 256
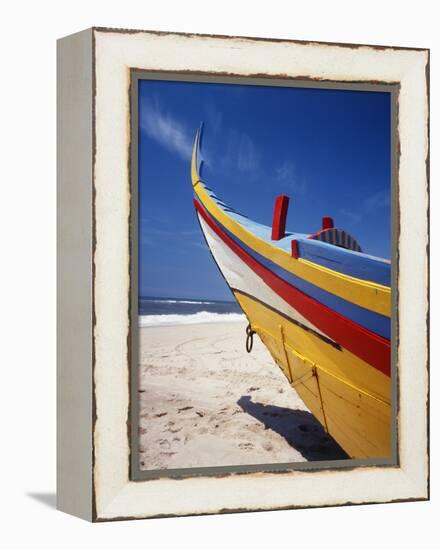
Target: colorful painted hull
321 307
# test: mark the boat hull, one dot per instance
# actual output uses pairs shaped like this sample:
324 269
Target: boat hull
349 397
322 312
351 408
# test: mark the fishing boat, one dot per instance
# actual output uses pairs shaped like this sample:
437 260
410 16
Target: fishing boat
319 304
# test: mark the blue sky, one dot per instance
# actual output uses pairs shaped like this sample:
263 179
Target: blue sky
329 150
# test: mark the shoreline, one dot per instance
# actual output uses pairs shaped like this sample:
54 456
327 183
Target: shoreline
204 402
198 318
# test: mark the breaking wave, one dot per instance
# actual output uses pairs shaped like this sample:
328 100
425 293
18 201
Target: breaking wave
190 319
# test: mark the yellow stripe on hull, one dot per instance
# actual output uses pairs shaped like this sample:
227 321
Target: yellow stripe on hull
350 398
369 295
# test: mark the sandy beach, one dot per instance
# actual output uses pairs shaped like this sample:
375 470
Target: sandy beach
204 401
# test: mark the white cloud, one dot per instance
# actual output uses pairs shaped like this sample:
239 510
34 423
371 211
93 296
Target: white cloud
166 130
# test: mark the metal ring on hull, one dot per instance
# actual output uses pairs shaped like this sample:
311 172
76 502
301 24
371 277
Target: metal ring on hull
249 338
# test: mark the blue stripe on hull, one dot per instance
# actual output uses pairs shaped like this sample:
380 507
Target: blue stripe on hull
355 264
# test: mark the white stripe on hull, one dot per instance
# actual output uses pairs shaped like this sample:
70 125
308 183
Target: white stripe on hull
241 277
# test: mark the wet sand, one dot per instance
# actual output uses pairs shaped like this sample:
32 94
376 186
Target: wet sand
204 401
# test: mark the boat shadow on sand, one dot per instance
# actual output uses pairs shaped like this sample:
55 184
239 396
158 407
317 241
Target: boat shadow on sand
299 428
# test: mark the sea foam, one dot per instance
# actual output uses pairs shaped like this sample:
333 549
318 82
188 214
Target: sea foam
163 301
190 319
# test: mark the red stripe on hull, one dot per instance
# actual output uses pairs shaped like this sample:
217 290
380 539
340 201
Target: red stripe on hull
370 347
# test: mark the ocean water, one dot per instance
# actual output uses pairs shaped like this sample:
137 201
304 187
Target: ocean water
180 311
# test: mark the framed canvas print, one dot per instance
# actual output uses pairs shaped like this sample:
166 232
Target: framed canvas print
243 274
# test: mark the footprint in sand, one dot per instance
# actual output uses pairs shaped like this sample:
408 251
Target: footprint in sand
175 431
267 446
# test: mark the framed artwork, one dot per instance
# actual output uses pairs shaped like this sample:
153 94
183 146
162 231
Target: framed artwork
243 274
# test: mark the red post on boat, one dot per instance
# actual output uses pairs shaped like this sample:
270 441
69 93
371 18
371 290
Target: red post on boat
279 217
295 252
327 222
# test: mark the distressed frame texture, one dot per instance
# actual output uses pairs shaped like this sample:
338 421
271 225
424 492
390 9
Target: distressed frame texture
94 477
136 473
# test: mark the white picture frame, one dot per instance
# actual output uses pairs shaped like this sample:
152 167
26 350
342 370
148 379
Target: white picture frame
94 216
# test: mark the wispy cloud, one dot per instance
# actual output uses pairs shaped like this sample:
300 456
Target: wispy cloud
213 117
247 155
151 235
375 201
164 232
350 215
145 240
380 199
200 244
286 174
243 153
166 129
